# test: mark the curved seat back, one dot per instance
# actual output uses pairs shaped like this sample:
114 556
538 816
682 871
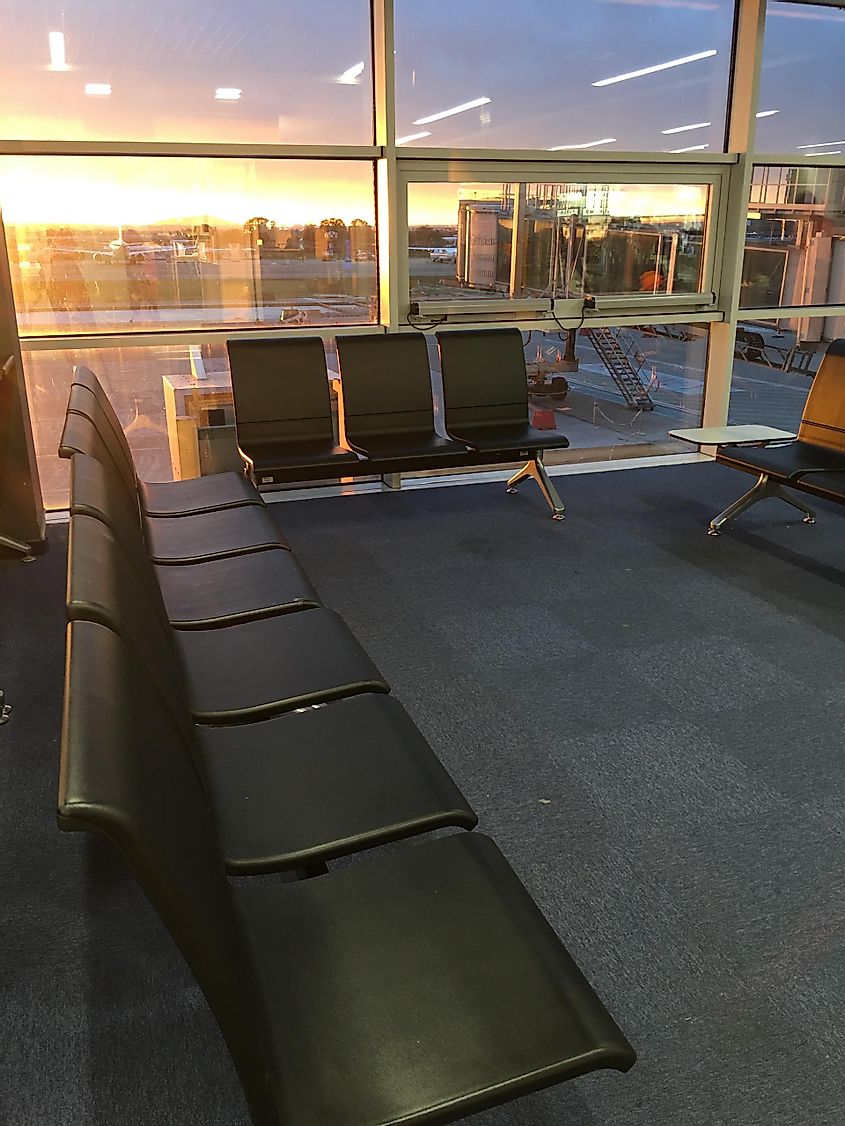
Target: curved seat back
386 386
125 774
823 420
105 586
89 399
281 393
84 402
484 379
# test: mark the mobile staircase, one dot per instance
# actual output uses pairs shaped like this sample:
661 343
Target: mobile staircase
624 362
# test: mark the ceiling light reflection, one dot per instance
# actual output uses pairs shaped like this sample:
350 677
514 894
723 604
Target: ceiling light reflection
585 145
350 76
98 89
450 112
56 40
654 69
228 94
413 137
686 128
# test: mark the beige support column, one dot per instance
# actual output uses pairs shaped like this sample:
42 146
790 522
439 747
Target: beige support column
741 131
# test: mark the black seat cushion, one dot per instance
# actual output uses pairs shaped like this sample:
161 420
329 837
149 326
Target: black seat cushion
412 445
237 589
320 783
262 668
491 438
419 987
787 462
829 485
201 494
211 535
314 453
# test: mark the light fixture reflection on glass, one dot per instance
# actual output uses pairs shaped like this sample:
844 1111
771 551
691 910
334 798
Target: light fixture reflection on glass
686 128
350 76
56 40
827 152
691 148
98 89
228 94
767 113
585 145
413 137
654 69
820 144
462 108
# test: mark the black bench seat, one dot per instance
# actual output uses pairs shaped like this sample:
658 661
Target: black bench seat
157 498
814 463
319 783
233 674
418 987
200 595
386 420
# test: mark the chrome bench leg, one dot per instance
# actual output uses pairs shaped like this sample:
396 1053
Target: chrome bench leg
535 468
18 545
762 489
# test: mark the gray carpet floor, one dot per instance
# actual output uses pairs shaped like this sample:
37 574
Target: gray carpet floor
648 722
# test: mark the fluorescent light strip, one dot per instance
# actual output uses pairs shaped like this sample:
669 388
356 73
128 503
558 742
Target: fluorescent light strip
227 94
98 89
827 152
654 69
413 137
767 113
451 112
348 77
820 144
586 145
56 39
686 128
691 148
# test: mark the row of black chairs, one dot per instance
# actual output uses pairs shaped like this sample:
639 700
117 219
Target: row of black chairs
211 737
386 415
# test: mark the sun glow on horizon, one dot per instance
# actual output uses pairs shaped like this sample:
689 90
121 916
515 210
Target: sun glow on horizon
139 191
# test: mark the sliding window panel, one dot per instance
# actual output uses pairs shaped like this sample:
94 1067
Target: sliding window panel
598 74
802 80
253 72
573 239
795 237
122 244
774 365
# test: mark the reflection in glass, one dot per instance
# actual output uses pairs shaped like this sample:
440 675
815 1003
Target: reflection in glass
259 71
795 238
133 243
573 239
802 81
597 74
774 365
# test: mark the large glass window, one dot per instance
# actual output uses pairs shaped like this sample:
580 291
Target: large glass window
572 239
257 71
129 243
610 74
795 238
135 381
802 80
